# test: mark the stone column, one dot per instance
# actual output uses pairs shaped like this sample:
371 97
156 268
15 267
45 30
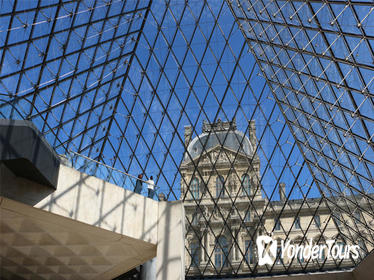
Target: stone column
234 247
202 251
170 245
237 244
234 253
239 240
207 242
148 270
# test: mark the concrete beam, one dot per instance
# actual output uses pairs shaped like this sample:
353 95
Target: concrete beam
37 243
24 150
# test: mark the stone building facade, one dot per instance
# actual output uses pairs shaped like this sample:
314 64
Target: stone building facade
226 210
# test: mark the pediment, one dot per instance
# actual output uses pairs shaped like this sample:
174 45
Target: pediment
223 154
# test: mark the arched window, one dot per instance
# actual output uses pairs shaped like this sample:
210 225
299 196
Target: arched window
195 254
247 217
299 256
277 224
278 259
221 252
195 188
320 240
219 186
249 256
317 221
322 254
246 184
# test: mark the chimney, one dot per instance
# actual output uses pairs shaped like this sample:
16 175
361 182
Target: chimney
282 191
187 135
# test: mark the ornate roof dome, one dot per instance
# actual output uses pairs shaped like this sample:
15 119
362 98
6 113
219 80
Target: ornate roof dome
219 134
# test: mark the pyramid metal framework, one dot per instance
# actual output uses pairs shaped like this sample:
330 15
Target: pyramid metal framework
118 80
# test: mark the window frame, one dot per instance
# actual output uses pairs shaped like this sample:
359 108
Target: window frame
277 224
247 216
246 185
195 188
249 253
221 252
317 221
195 253
220 185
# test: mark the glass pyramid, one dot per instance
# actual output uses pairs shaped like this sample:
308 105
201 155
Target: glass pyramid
259 114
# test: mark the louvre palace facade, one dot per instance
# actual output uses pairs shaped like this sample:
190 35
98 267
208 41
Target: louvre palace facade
226 210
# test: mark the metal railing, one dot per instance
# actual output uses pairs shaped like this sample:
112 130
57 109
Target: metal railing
110 174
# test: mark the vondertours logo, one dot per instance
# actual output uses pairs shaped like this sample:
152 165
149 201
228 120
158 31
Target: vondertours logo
268 249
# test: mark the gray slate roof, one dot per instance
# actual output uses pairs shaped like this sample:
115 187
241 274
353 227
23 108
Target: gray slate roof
230 139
